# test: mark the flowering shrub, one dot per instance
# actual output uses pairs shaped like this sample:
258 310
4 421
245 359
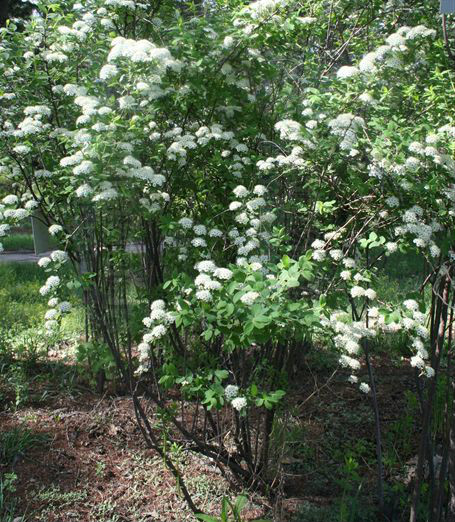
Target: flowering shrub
227 162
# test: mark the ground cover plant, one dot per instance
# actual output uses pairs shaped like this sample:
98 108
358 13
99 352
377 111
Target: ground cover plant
246 195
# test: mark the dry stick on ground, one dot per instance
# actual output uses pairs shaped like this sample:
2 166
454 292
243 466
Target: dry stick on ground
152 442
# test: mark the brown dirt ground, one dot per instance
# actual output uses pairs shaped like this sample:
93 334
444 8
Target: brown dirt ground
91 464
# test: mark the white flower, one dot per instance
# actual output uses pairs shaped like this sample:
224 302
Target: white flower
348 262
259 190
347 72
215 232
318 244
352 347
249 298
223 273
84 191
370 294
53 302
228 42
126 102
357 291
85 167
336 254
44 262
350 362
231 391
108 71
159 304
55 229
51 314
59 256
206 266
64 306
239 403
429 372
410 304
417 362
234 205
158 331
422 332
186 223
392 201
289 129
51 325
408 323
199 242
319 255
345 275
53 281
391 247
200 230
240 191
364 388
255 266
11 199
204 295
434 251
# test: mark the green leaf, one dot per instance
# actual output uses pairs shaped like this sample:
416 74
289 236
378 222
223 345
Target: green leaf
240 502
222 374
285 261
206 518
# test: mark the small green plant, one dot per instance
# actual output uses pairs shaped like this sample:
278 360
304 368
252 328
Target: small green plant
16 442
230 511
100 469
98 359
352 505
6 504
18 381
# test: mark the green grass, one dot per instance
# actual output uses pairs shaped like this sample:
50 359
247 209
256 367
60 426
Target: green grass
21 305
402 275
18 242
17 442
24 241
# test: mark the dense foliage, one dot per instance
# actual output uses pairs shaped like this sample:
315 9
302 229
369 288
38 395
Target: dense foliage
229 181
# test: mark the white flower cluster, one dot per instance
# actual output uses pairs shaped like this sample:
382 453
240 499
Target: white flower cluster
263 9
414 322
157 323
231 392
32 124
204 282
389 54
347 127
142 51
294 159
289 130
12 214
239 403
57 256
51 284
321 248
414 224
252 215
53 316
347 71
348 340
